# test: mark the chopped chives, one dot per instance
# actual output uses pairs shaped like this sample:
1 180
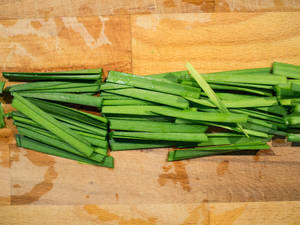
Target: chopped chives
143 110
294 137
89 74
113 102
93 139
202 116
152 126
258 86
292 119
184 137
296 108
2 83
259 115
113 86
50 85
288 70
210 93
51 124
242 89
275 109
223 134
240 103
50 140
88 89
2 115
153 96
264 129
260 78
153 84
54 108
230 140
94 101
169 76
206 151
74 125
139 118
40 147
227 127
128 144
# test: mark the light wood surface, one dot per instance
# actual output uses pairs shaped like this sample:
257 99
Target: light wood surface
39 9
214 41
64 43
262 213
256 5
12 9
144 188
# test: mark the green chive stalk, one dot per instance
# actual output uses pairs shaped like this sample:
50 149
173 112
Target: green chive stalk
2 116
94 101
50 150
51 124
288 70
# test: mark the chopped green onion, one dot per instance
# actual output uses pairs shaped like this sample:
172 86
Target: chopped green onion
74 114
152 126
113 102
144 110
63 97
292 119
169 76
288 70
210 93
294 137
51 85
275 109
202 116
206 151
2 115
51 124
90 74
264 129
230 140
153 96
50 140
40 147
184 137
242 103
93 139
153 84
2 83
113 86
128 144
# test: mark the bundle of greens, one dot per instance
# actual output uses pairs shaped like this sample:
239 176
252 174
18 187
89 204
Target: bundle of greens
2 121
196 114
144 112
46 126
2 83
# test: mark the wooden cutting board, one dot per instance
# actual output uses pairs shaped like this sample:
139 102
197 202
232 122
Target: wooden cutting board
144 188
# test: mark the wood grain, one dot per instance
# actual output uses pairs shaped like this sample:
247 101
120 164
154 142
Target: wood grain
11 9
256 6
144 188
4 169
65 43
263 213
144 177
214 42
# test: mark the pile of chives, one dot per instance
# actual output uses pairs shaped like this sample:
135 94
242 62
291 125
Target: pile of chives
179 110
145 111
46 125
